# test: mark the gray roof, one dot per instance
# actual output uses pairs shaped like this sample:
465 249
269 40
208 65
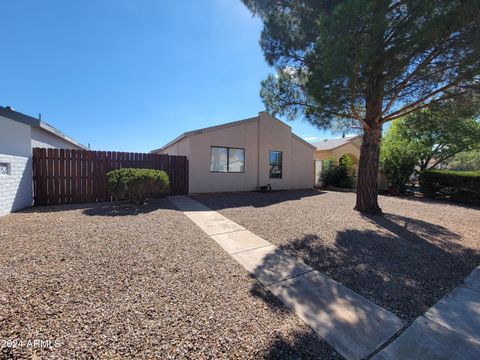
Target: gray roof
34 122
329 144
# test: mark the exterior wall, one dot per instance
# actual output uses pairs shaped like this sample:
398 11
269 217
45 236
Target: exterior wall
44 139
16 188
15 150
242 136
14 138
352 148
180 148
337 153
302 169
276 136
257 137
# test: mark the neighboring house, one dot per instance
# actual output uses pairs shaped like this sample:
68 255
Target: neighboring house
245 155
334 149
19 133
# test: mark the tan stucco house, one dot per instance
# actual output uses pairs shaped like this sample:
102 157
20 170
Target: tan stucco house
334 149
245 155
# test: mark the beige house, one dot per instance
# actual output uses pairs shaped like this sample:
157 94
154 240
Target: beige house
245 155
334 149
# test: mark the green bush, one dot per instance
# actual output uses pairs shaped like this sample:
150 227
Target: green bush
398 167
461 186
339 175
137 185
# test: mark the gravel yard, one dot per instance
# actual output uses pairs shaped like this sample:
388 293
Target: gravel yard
405 261
107 281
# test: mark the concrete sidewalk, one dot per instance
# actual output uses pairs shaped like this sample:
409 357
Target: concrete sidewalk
353 325
449 330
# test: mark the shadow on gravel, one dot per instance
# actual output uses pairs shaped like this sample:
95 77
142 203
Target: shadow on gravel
122 208
300 345
221 201
405 269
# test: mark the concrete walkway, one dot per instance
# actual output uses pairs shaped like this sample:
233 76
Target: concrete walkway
449 330
353 325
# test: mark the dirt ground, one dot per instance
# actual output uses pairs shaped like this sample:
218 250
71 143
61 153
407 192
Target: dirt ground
113 281
404 261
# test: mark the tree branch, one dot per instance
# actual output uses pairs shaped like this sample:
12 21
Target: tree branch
417 104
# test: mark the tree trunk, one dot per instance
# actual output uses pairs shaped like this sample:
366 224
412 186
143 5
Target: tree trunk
367 182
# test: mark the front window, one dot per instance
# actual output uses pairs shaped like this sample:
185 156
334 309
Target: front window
224 159
275 162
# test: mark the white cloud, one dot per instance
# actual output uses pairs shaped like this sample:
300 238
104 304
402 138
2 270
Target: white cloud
310 138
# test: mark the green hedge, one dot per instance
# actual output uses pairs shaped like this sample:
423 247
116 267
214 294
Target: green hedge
461 186
137 185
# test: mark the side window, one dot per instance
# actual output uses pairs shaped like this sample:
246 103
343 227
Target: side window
275 162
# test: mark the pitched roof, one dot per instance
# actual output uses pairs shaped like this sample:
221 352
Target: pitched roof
218 127
34 122
329 144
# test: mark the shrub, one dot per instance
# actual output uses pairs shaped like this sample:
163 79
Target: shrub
461 186
398 167
137 185
340 175
397 159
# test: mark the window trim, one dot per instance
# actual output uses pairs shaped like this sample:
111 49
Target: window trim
228 159
269 165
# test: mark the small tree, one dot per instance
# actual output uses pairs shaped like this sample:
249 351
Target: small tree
366 62
340 175
465 161
437 134
397 159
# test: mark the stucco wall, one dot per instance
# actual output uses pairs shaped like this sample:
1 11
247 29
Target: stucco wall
274 135
241 136
301 167
44 139
14 138
15 150
337 153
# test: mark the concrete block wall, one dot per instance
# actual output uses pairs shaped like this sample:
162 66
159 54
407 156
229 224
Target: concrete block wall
16 187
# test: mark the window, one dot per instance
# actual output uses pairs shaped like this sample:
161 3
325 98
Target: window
4 169
223 159
275 161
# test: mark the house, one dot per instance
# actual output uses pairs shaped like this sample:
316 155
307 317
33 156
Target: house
19 133
335 149
245 155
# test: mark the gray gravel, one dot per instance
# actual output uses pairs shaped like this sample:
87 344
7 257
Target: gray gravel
405 261
112 282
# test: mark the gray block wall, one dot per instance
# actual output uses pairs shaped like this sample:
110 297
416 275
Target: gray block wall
15 187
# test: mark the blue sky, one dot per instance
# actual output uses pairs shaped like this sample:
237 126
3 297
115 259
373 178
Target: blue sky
131 75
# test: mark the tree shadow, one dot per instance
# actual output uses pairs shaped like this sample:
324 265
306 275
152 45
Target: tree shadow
114 208
405 269
219 201
122 208
432 201
355 327
300 346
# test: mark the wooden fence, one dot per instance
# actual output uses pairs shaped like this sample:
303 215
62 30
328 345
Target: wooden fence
63 176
